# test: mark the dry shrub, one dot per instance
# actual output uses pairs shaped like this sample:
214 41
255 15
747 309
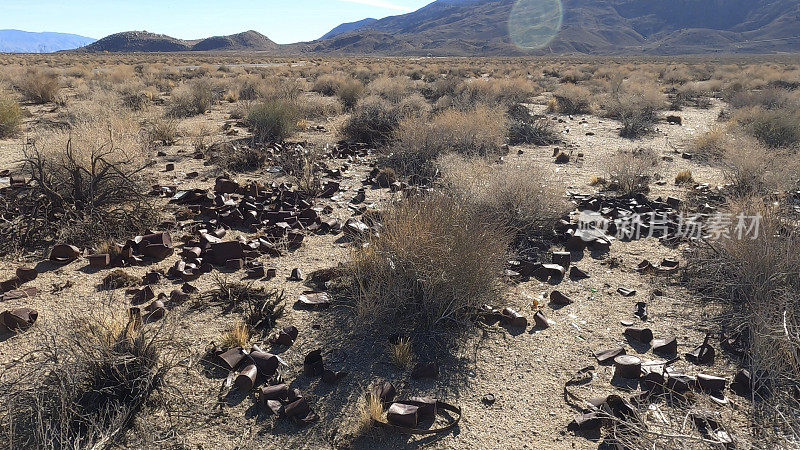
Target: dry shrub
434 263
192 99
85 384
519 199
239 158
260 307
86 186
495 91
349 92
39 87
684 177
630 171
572 99
710 146
756 282
770 99
479 132
237 335
753 168
316 107
373 122
775 128
329 83
162 130
636 106
392 89
526 128
10 116
272 120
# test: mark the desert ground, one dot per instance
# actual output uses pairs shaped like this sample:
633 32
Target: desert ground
410 193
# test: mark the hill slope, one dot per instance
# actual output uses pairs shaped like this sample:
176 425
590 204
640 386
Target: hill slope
481 27
142 41
17 41
349 26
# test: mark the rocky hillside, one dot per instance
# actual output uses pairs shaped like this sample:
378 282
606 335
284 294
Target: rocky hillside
480 27
142 41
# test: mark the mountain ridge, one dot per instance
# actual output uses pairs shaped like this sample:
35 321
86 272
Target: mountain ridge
20 41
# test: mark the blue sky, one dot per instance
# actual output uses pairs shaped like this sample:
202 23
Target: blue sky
283 21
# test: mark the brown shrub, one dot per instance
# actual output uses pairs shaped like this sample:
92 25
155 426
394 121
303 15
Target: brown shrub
192 99
39 86
630 172
373 122
572 99
10 116
433 264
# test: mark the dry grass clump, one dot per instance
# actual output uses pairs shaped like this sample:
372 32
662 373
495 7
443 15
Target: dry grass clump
373 122
774 128
85 385
192 99
239 158
710 146
434 263
316 107
525 128
770 99
636 106
39 87
393 89
630 172
753 168
237 335
10 116
684 177
756 281
272 120
260 307
401 352
519 199
86 186
571 99
479 132
163 130
329 83
494 91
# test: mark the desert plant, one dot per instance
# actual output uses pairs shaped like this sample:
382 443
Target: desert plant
778 128
39 86
350 92
260 307
738 273
239 158
434 263
238 335
636 106
401 352
163 130
86 187
88 382
525 128
10 117
684 177
272 120
572 99
630 172
192 99
373 122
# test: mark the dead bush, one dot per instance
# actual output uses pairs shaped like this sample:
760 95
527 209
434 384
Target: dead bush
272 120
316 107
373 122
85 186
572 99
631 172
239 158
304 166
260 307
86 384
392 89
434 263
479 132
495 91
776 128
192 99
753 168
39 87
521 199
162 130
10 116
710 146
636 106
755 278
525 128
329 83
349 92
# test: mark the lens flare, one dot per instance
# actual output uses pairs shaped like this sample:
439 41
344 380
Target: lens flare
534 23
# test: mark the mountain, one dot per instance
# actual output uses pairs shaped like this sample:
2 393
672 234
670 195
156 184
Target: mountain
142 41
16 41
510 27
349 26
249 40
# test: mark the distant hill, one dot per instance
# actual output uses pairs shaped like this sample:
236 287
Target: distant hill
249 40
349 26
481 27
17 41
142 41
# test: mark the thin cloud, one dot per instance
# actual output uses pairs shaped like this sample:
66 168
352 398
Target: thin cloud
381 4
